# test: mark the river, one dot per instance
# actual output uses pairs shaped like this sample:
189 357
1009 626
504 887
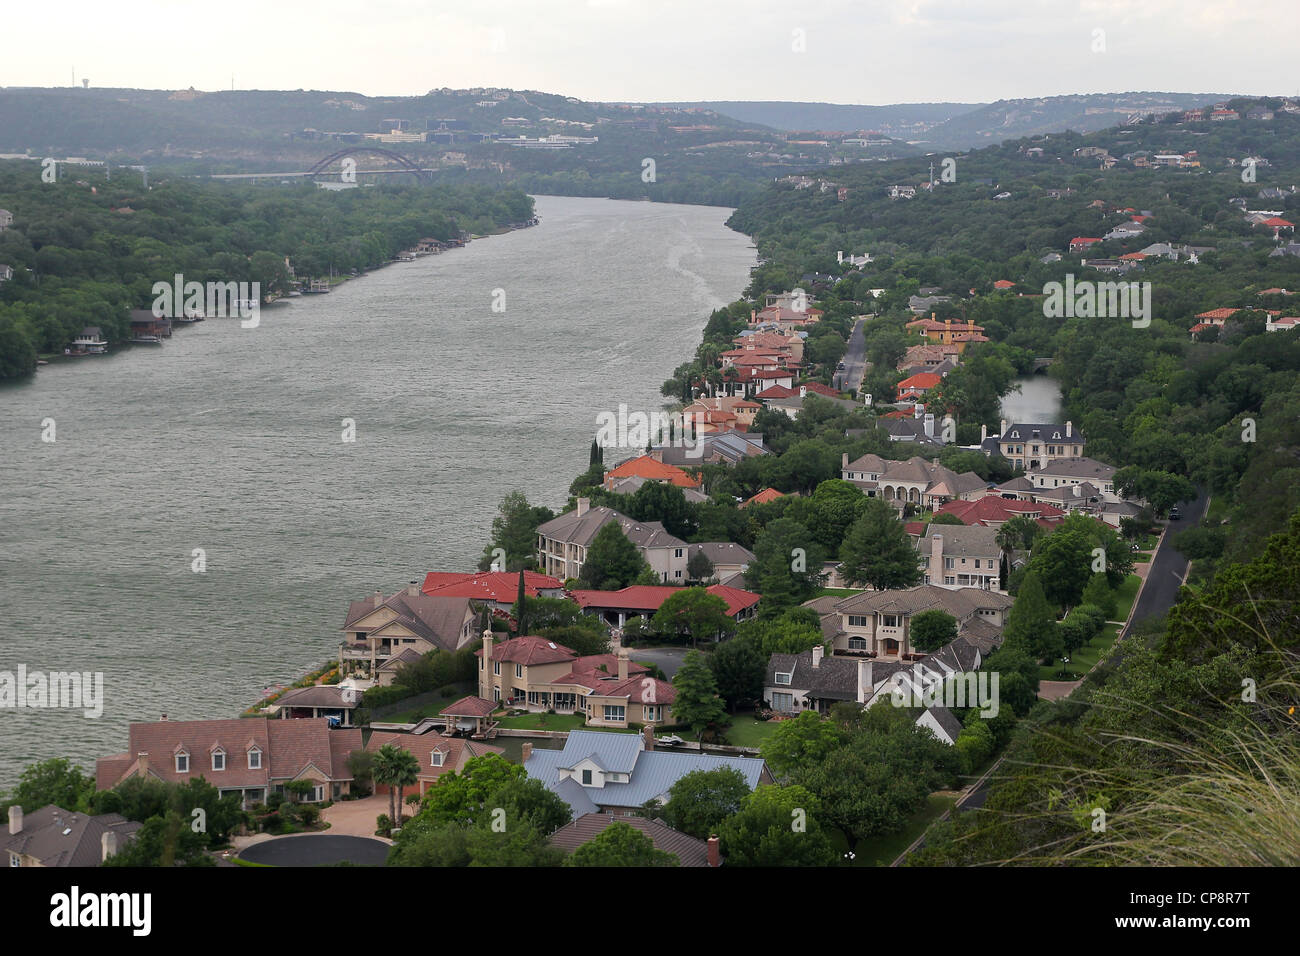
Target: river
231 440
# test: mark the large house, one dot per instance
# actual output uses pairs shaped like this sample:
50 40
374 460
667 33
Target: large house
562 542
539 675
993 510
620 773
497 589
252 757
642 600
925 484
958 556
1074 473
713 448
52 836
1032 447
435 754
877 623
689 850
651 470
379 629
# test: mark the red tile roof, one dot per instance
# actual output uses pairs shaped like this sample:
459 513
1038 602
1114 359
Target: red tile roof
649 597
470 706
501 587
652 470
777 391
1003 284
1217 314
821 389
993 509
528 650
763 497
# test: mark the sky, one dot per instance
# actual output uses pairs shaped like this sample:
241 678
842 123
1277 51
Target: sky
837 51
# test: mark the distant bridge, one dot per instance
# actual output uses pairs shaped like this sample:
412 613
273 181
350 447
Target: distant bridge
1041 363
405 166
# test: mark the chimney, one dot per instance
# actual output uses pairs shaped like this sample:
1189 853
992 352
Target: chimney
936 558
817 653
164 716
715 855
929 425
803 391
378 597
1003 428
15 820
143 760
984 433
1069 429
107 845
412 589
526 752
584 505
622 663
839 256
648 736
844 461
864 679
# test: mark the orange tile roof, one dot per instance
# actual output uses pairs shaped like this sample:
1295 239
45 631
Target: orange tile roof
651 470
763 497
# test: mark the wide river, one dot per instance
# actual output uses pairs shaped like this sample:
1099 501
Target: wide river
231 440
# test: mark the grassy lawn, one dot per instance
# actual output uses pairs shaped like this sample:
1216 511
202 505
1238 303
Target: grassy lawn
883 850
1082 660
1125 595
745 731
837 592
1142 557
416 714
545 722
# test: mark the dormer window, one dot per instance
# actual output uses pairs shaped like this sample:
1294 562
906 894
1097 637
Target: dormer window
254 758
436 757
783 678
586 778
218 759
182 762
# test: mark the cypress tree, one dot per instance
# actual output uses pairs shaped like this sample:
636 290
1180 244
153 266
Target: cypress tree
520 611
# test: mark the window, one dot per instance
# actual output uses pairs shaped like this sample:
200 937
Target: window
496 667
182 763
435 758
947 563
255 759
678 553
889 620
857 643
218 760
857 621
317 794
615 712
782 702
783 679
586 778
649 712
15 859
519 670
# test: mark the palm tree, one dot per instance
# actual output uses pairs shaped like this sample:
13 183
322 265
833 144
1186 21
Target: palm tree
396 768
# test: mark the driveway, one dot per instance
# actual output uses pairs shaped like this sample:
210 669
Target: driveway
357 817
667 659
855 358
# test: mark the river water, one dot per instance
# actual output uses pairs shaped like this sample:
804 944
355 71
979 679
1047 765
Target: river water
231 440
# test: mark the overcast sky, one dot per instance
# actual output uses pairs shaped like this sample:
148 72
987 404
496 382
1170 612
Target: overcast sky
839 51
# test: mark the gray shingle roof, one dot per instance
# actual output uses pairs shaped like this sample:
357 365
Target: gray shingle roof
960 541
688 850
58 837
836 678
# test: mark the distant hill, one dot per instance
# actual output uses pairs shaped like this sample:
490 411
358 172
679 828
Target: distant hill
1084 113
902 120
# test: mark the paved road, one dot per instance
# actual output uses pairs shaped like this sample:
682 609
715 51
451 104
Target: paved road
1168 566
855 358
317 850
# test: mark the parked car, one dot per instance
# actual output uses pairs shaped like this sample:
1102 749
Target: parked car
1174 514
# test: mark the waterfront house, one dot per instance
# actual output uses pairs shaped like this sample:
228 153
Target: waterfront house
539 675
641 600
332 702
689 850
251 756
435 754
91 340
620 773
650 469
496 590
52 836
145 324
379 628
562 542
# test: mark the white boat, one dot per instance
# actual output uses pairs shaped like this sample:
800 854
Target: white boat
670 741
146 340
90 342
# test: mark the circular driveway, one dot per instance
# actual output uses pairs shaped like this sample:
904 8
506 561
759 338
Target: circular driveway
312 849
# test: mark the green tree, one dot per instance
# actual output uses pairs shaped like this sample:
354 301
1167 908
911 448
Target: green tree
57 781
462 796
777 827
395 768
796 746
1062 563
739 667
620 844
699 568
693 613
878 551
1099 592
1031 623
787 565
931 630
514 531
702 799
698 704
613 562
163 841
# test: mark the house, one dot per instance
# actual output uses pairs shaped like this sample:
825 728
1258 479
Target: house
435 754
650 469
537 674
620 773
920 304
948 332
919 482
1283 323
6 219
562 542
930 356
1004 283
1126 230
992 510
814 681
958 556
377 629
1082 243
91 340
1218 116
762 498
727 557
252 756
721 413
913 430
6 272
689 850
630 486
717 448
145 323
1259 113
52 836
1074 472
1030 446
498 590
333 702
915 386
902 192
641 600
792 404
876 623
